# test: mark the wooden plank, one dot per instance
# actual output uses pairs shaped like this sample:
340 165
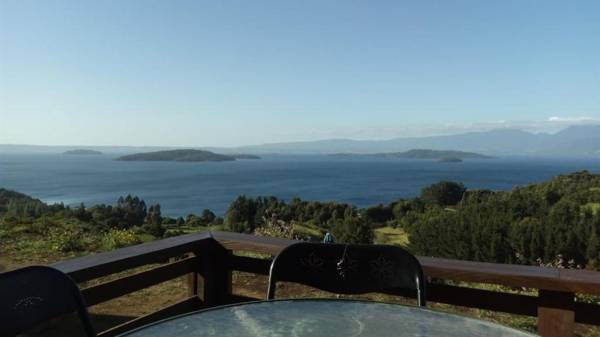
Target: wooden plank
252 243
580 281
587 313
556 316
97 265
483 299
128 284
476 298
250 265
181 307
512 275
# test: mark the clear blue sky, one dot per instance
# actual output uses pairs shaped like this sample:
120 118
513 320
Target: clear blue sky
244 72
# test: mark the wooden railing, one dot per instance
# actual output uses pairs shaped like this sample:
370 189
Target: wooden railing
208 261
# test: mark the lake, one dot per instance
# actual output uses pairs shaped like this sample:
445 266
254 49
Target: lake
183 188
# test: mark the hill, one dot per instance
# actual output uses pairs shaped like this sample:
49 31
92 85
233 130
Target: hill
421 154
187 155
574 141
82 152
582 140
27 204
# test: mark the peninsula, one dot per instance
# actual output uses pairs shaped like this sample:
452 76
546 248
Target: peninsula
187 155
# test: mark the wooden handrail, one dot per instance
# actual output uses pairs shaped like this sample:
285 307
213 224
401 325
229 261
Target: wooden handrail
102 264
209 255
567 280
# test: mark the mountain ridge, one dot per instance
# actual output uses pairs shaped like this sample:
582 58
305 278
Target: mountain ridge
573 141
581 140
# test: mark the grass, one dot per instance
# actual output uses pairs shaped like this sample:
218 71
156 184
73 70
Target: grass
308 230
391 236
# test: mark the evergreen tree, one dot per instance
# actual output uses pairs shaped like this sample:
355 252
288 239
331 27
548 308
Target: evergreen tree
154 221
444 193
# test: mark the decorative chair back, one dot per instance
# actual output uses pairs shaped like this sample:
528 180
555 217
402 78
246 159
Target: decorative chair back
348 269
32 295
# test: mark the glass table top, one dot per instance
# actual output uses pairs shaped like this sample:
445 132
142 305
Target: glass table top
327 318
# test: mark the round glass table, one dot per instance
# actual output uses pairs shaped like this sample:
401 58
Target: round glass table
322 318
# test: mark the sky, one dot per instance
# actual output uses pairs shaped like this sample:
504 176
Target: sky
228 73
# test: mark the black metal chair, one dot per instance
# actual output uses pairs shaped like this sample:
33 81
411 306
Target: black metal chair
32 295
348 269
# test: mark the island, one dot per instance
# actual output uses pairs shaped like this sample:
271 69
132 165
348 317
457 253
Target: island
82 152
442 155
186 155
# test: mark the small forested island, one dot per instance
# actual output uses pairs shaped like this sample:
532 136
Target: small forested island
450 160
186 155
420 154
82 152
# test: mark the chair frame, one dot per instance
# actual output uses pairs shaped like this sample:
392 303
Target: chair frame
345 283
77 303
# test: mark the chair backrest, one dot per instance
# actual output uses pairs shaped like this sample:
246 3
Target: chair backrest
348 269
32 295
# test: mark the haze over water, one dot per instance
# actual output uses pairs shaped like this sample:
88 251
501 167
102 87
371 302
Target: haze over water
183 188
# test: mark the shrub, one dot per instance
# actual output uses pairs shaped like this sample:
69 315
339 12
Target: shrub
353 231
68 241
278 229
117 238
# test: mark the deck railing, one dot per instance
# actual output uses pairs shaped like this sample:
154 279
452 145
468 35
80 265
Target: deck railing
208 261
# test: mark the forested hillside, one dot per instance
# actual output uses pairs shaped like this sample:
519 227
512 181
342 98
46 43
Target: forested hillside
553 223
556 222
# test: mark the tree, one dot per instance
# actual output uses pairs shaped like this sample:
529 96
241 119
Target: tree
207 216
352 230
241 215
133 209
444 193
154 221
378 214
81 213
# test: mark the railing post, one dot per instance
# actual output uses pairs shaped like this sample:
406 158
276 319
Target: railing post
556 313
217 274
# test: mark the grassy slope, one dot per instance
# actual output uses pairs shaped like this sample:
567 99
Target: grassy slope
391 236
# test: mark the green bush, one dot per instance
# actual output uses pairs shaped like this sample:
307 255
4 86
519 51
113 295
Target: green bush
117 238
353 231
68 241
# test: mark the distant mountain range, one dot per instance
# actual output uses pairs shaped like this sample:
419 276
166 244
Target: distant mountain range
572 141
581 140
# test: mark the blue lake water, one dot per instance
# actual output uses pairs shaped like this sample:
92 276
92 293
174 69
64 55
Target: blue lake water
183 188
